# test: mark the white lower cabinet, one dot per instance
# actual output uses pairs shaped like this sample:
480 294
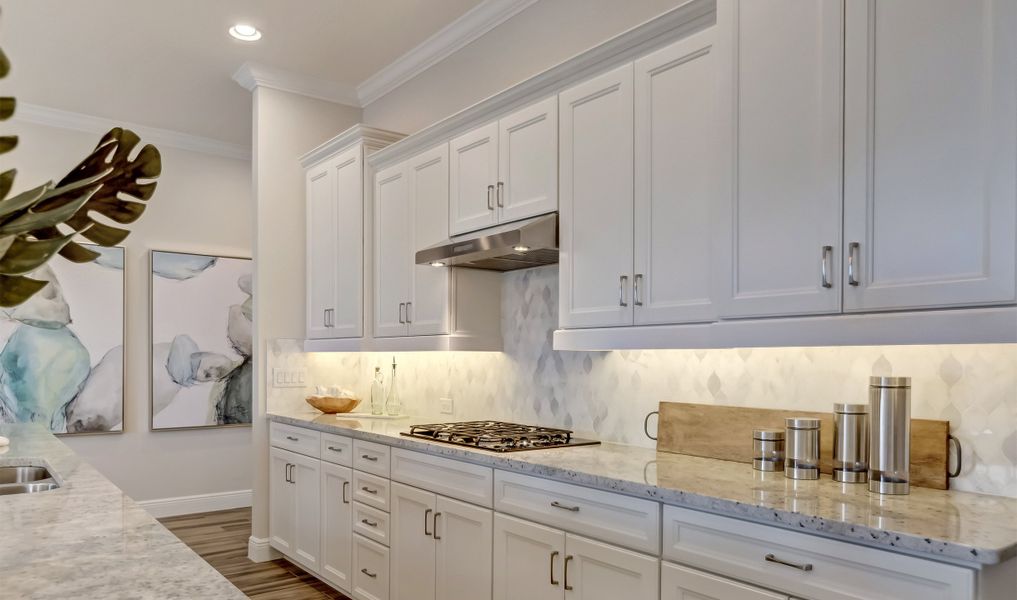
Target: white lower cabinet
336 534
441 548
295 497
680 583
538 563
370 570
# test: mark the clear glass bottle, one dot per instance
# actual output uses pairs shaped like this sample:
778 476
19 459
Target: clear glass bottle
378 393
394 405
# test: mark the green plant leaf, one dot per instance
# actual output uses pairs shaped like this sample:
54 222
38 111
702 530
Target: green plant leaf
16 289
7 182
7 105
33 219
8 143
23 201
25 255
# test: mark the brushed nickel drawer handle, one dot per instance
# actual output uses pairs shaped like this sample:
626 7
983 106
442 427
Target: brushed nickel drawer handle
490 197
346 486
292 439
369 490
801 567
368 573
853 248
434 526
370 458
334 449
427 512
553 556
567 560
826 266
501 194
557 504
369 523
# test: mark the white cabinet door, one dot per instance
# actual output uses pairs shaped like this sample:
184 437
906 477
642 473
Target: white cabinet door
528 162
412 549
347 317
779 236
336 531
676 180
305 477
281 501
681 583
597 571
473 174
463 544
528 560
392 247
930 148
321 249
428 311
595 157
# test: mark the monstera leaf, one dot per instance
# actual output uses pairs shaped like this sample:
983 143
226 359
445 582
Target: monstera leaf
113 182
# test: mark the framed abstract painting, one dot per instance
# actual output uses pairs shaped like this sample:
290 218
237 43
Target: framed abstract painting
62 351
201 341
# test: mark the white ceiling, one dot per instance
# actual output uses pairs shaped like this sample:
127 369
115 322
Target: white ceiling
168 64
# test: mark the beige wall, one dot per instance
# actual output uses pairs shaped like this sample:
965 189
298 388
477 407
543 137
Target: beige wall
285 127
202 204
536 39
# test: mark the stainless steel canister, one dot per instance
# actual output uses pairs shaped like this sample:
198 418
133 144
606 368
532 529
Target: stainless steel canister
851 443
890 441
801 460
768 449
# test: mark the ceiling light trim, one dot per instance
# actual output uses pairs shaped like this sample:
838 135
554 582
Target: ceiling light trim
63 119
476 22
252 75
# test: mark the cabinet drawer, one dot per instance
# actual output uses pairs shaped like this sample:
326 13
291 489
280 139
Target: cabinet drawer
370 522
337 449
371 490
629 522
371 457
451 478
677 582
839 570
295 439
370 569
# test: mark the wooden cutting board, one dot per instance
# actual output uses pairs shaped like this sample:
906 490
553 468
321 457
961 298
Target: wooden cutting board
725 432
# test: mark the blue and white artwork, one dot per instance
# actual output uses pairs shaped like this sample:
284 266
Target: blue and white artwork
201 340
62 351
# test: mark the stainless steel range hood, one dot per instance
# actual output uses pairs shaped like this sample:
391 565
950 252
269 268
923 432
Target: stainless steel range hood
519 245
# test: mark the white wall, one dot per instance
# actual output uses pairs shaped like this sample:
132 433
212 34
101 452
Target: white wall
540 37
202 204
285 127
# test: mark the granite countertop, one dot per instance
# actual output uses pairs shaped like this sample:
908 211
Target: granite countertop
945 525
88 539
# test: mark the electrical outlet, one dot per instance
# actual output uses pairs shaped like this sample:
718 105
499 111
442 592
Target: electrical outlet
288 377
446 406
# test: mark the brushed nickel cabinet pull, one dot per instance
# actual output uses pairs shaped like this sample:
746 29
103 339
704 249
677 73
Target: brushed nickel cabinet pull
567 586
801 567
622 282
409 305
434 525
346 486
369 490
490 197
637 290
501 194
825 266
368 573
334 449
426 513
402 307
369 457
292 439
553 556
853 248
369 523
557 504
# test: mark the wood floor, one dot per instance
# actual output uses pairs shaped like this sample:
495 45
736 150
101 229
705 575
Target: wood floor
221 539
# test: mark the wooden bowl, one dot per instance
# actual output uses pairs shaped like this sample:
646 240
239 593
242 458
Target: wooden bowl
331 405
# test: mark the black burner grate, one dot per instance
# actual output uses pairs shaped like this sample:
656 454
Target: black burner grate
497 436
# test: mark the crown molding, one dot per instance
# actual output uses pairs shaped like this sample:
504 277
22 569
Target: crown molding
476 22
251 75
371 137
63 119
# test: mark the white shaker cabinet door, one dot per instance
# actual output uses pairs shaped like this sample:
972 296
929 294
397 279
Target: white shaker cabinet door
321 249
598 571
930 153
595 159
392 248
681 583
676 180
305 476
412 562
347 317
281 500
429 308
336 531
473 174
463 542
528 560
528 162
779 234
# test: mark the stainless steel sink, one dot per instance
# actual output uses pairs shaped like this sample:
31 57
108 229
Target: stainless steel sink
25 480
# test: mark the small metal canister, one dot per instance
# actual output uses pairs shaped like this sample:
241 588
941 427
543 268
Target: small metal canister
768 449
851 443
890 442
802 448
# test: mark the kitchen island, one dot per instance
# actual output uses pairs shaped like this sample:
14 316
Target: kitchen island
87 538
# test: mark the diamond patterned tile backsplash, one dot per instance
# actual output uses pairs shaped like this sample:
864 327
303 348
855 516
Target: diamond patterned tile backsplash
607 394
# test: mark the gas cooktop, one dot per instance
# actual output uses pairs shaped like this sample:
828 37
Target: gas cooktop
497 436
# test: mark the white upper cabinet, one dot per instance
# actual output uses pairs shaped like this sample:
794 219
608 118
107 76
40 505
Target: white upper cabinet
427 312
392 248
930 153
676 180
321 249
779 237
347 316
595 158
506 170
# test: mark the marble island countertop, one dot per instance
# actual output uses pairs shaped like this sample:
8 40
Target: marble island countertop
945 525
88 539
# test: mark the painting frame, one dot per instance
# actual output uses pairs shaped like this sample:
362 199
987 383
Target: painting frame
152 252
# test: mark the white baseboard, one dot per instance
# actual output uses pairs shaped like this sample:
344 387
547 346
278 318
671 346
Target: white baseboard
186 505
259 550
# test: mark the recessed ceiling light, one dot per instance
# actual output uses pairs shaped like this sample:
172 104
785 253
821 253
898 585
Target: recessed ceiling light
521 249
437 263
246 33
